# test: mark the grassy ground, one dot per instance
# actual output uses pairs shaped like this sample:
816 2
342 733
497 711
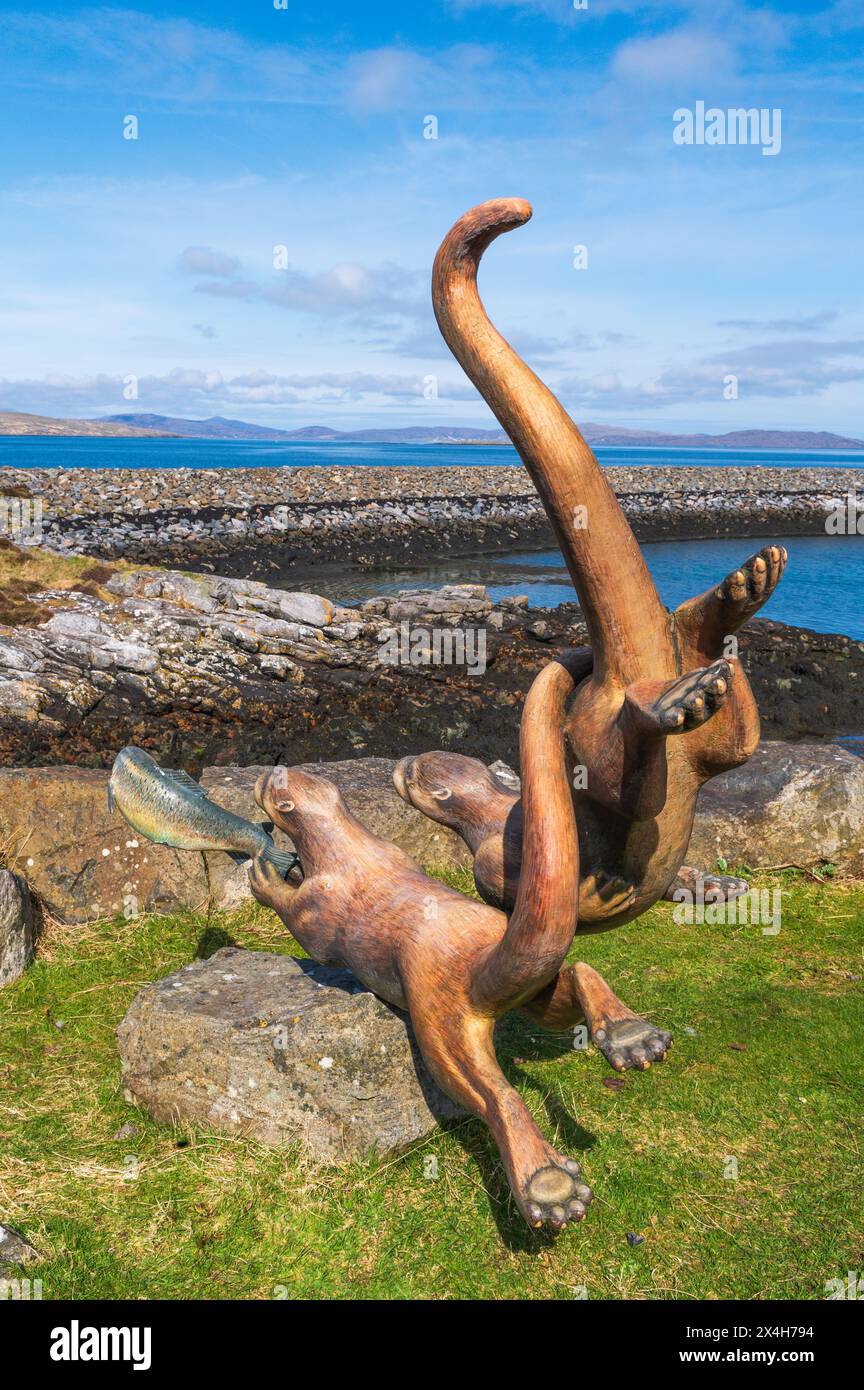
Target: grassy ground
765 1071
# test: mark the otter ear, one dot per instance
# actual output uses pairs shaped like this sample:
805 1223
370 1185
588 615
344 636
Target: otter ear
442 794
285 805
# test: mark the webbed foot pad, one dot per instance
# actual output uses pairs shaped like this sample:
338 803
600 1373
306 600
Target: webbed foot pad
632 1043
685 703
556 1197
746 589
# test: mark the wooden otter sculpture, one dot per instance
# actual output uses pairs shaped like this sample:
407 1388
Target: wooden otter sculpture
664 703
455 964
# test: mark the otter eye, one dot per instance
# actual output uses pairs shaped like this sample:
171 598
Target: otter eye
442 794
286 805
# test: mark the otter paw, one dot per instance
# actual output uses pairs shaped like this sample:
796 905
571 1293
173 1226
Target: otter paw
747 588
555 1196
691 700
604 895
266 881
632 1043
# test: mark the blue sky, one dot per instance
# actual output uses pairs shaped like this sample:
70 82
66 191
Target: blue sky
260 127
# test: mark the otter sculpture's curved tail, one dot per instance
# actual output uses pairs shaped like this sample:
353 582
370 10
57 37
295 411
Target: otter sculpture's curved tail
541 927
628 625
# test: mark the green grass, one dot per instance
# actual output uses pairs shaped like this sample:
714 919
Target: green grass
191 1213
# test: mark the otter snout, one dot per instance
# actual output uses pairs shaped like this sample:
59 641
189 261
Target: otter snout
402 776
273 793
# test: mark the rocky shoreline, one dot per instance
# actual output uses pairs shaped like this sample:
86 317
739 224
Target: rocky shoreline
205 670
270 523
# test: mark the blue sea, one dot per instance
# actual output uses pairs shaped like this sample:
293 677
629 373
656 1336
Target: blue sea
823 587
35 451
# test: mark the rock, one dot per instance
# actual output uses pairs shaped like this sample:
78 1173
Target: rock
14 1249
280 1049
127 1131
82 860
791 803
17 929
367 786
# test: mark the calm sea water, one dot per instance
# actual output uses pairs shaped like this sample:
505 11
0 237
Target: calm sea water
823 587
38 452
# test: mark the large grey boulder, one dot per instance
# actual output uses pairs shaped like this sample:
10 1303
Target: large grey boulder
17 928
367 787
791 803
281 1049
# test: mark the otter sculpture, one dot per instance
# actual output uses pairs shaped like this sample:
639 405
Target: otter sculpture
657 705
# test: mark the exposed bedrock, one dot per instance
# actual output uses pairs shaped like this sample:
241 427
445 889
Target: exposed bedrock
201 670
17 927
800 803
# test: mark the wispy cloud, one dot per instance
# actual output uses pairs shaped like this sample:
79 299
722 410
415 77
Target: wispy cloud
803 323
186 390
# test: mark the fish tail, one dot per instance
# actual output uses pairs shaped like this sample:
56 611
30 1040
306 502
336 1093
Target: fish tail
284 859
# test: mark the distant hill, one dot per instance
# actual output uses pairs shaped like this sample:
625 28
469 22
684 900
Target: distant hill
217 428
174 427
16 422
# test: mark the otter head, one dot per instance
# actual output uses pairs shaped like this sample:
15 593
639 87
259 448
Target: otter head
444 786
299 803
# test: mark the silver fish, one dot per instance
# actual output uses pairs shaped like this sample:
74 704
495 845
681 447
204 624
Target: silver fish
170 808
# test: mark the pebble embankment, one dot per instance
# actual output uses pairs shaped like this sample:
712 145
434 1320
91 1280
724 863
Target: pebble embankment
272 522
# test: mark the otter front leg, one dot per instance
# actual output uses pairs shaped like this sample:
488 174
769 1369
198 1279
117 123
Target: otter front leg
579 995
269 887
458 1049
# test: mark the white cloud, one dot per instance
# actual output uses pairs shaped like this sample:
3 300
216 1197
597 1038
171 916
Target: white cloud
685 53
804 323
189 390
348 288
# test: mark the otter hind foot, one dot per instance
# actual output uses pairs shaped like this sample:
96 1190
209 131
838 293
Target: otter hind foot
708 621
746 589
632 1043
604 895
555 1196
674 707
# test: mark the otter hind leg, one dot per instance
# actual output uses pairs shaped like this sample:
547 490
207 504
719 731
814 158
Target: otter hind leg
675 707
458 1049
579 994
712 617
